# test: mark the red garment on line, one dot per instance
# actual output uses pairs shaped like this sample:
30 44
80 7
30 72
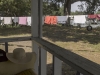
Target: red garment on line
51 20
47 20
92 16
98 16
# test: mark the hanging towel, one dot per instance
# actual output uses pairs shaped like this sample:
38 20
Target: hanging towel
80 19
7 20
22 20
98 16
62 19
92 16
16 19
29 21
53 20
47 20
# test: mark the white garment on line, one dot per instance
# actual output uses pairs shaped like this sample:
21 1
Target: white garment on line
7 20
80 19
62 19
29 21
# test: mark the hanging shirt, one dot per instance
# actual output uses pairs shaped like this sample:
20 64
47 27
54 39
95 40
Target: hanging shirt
29 21
23 20
7 20
62 19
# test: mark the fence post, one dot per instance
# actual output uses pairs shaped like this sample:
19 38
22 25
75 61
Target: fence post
42 52
34 31
42 62
36 28
57 66
6 47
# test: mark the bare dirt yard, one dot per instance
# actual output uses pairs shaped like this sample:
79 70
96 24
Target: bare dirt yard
79 41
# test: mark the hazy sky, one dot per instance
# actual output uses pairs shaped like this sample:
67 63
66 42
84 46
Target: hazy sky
74 6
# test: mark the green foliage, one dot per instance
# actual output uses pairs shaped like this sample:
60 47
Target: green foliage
98 12
23 8
15 7
51 8
91 6
77 13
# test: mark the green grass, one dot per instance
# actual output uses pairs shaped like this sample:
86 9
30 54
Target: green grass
80 41
10 31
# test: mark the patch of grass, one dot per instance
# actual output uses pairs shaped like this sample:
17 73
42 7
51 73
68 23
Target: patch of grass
15 31
79 41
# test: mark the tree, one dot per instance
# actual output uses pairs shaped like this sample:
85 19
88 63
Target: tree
51 8
91 6
15 7
98 12
77 13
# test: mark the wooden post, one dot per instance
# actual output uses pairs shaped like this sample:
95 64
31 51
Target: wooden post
34 30
6 47
57 66
43 53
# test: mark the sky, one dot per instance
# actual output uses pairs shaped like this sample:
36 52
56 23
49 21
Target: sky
74 6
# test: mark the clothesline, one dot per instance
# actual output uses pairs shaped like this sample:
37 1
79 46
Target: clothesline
53 20
74 19
19 20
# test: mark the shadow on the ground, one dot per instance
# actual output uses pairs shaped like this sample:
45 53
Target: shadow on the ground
15 45
8 31
57 33
67 34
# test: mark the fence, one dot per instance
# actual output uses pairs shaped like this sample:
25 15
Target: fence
82 65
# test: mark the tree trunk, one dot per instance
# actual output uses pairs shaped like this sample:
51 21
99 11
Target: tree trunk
67 10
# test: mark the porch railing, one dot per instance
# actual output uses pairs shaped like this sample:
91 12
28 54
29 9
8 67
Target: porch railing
82 65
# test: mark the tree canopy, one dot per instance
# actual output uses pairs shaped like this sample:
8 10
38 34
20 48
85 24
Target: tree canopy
91 6
15 7
50 7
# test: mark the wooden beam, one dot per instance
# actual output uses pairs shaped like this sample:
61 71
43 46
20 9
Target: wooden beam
35 31
6 47
12 39
79 63
42 52
57 66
